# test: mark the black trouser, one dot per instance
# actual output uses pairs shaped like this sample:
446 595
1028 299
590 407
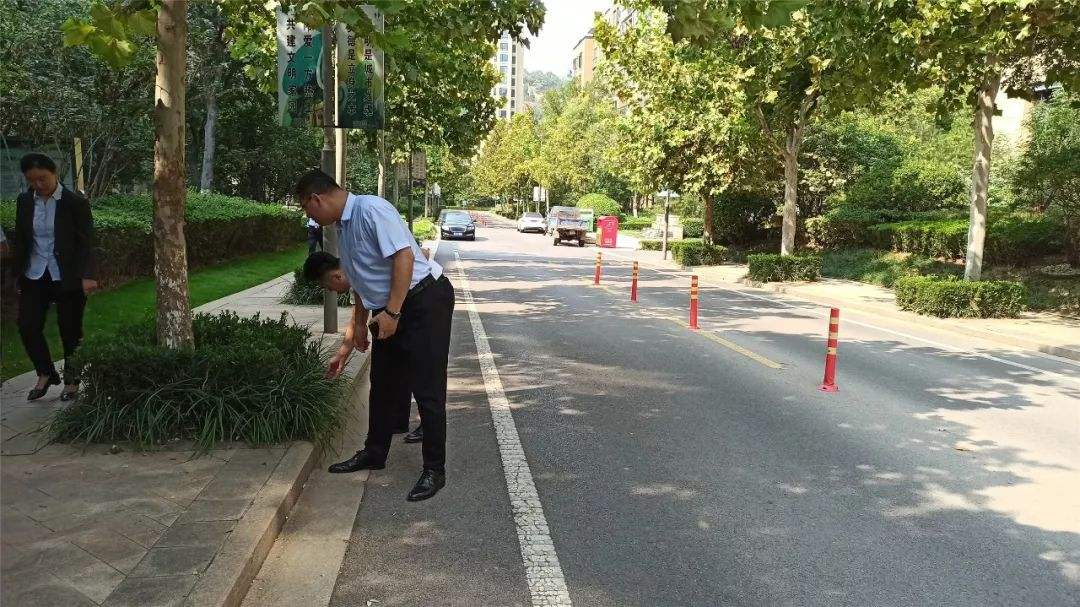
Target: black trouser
413 363
34 300
314 239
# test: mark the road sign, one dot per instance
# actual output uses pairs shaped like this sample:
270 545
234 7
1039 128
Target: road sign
419 165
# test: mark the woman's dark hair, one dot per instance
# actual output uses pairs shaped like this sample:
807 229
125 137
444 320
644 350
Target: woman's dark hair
34 160
318 264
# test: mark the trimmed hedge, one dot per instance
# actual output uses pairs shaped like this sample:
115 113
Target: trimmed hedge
635 223
694 252
1012 239
651 245
218 228
951 298
256 380
772 267
847 227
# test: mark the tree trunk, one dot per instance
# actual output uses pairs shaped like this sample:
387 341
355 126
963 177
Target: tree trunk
206 180
980 171
170 251
791 196
633 203
707 221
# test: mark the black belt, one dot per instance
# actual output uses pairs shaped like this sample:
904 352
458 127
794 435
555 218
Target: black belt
424 283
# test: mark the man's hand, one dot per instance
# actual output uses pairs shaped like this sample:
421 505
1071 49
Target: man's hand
360 337
387 325
89 285
337 362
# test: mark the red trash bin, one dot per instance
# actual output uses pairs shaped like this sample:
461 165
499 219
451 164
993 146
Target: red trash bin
608 226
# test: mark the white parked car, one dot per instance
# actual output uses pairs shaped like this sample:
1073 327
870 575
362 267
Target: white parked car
531 222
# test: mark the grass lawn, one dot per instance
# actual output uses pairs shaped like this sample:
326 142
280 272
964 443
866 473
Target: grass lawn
1045 293
107 311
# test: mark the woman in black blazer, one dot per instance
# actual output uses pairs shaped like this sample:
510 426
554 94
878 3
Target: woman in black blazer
55 260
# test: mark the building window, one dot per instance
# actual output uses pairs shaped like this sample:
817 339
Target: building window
502 91
511 105
504 58
513 71
505 46
502 113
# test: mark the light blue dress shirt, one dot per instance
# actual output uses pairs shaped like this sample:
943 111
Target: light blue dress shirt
371 232
43 255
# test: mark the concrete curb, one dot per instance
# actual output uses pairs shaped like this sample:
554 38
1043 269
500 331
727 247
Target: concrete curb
228 578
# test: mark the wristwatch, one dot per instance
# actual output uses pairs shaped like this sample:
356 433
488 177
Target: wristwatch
394 315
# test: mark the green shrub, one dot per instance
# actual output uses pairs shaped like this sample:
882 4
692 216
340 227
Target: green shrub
255 380
951 298
508 211
650 245
742 217
1011 239
636 223
304 292
772 267
936 238
694 252
842 227
600 204
919 181
218 228
423 229
693 227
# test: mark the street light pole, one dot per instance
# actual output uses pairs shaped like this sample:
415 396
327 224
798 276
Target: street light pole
408 191
329 166
667 210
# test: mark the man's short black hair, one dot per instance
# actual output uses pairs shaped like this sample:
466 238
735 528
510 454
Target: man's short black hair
34 160
313 182
318 264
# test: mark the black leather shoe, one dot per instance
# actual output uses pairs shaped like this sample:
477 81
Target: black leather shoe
36 393
429 484
361 461
416 436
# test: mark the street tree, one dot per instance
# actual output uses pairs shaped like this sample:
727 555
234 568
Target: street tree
794 60
116 33
977 48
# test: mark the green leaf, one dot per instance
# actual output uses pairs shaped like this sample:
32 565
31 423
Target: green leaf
76 31
144 22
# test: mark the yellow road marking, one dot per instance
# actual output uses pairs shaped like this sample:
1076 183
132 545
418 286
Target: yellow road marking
706 334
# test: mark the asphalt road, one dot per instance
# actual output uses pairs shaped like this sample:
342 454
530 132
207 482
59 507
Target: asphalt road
706 468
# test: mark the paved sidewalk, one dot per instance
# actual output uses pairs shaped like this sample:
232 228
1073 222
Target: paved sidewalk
1040 332
111 526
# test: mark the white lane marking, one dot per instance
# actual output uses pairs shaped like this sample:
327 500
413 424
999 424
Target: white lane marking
542 570
817 308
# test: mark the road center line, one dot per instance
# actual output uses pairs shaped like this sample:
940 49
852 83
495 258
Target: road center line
816 308
542 570
706 333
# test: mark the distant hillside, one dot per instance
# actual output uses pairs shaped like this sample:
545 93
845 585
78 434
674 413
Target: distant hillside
537 83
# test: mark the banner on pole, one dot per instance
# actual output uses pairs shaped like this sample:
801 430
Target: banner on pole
300 92
360 82
361 103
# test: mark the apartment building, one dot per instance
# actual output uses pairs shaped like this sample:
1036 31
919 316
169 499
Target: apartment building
509 93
